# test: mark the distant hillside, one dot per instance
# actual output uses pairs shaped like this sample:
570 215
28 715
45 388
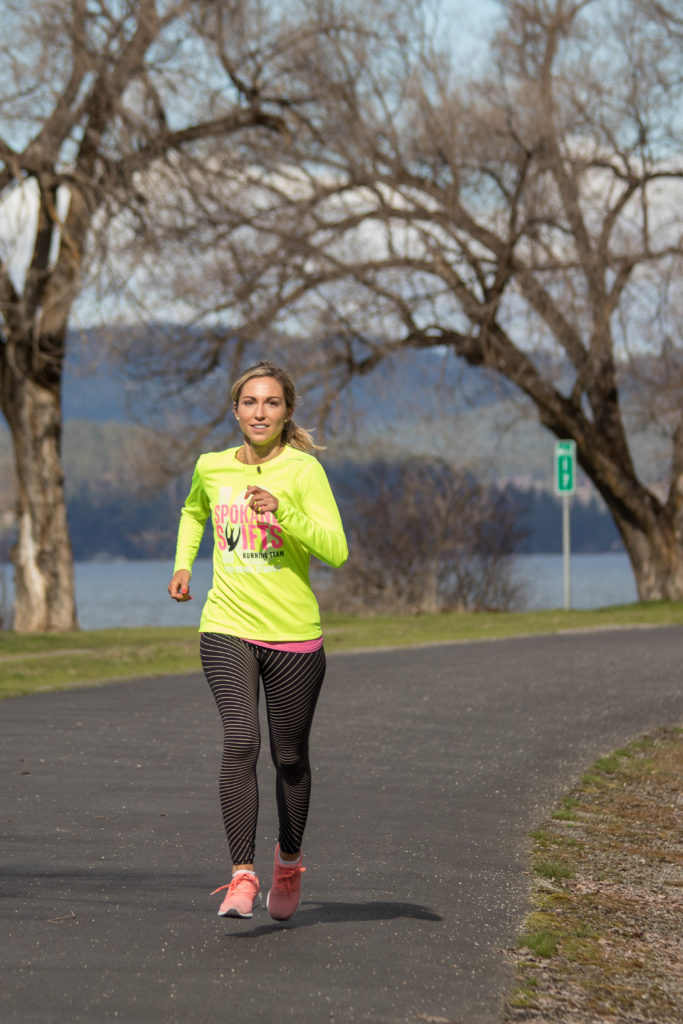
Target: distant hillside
405 385
94 387
416 403
112 514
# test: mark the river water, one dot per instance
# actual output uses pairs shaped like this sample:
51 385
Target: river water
127 594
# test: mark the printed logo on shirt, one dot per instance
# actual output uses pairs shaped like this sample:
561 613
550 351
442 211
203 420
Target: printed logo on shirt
247 540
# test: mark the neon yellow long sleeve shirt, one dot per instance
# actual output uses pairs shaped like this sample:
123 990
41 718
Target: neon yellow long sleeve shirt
261 588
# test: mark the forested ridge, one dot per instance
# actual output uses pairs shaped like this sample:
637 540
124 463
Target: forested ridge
114 514
119 507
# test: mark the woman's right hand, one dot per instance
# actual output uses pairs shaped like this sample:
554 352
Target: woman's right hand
179 587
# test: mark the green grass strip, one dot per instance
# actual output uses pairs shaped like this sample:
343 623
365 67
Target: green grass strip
35 663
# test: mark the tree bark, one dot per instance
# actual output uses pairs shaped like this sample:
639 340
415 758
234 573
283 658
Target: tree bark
656 556
106 121
44 599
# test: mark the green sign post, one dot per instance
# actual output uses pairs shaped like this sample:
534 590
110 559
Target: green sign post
565 485
565 474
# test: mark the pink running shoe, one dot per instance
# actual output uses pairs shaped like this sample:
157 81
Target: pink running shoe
241 897
285 896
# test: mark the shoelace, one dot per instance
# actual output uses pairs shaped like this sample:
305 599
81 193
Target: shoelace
240 880
286 877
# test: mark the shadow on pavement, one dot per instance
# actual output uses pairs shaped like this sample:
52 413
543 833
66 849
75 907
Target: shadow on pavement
339 913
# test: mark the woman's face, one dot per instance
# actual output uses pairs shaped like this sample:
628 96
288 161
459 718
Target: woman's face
261 411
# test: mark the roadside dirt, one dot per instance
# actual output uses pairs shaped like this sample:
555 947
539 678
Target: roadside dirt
604 943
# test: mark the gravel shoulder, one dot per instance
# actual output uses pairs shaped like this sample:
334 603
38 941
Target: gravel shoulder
604 942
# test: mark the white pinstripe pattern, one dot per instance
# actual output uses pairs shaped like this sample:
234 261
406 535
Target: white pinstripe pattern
291 684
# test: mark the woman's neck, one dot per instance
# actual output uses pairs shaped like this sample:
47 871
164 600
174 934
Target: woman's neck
252 456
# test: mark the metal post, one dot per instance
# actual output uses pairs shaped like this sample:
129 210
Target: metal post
566 552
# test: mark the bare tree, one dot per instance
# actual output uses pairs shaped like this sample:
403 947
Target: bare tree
101 101
426 538
527 218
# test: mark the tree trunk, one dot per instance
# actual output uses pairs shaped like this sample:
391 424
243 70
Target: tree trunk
656 559
44 598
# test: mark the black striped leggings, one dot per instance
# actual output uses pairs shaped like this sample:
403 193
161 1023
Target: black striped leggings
291 684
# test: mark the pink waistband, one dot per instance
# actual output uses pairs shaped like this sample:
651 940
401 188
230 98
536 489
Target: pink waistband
295 646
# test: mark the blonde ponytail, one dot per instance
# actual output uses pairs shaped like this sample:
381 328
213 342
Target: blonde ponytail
299 437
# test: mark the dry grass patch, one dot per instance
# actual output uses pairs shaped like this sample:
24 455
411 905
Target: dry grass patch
604 944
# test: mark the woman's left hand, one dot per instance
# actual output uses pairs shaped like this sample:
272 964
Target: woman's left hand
260 500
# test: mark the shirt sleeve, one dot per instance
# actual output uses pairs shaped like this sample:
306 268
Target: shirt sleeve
316 522
193 518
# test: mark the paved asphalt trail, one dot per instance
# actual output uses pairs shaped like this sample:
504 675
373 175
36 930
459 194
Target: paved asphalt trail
431 767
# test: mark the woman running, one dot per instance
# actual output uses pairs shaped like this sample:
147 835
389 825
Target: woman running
271 508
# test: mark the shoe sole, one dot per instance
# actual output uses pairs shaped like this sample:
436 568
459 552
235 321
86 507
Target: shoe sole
234 912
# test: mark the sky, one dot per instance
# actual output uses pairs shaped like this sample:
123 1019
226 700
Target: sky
467 24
